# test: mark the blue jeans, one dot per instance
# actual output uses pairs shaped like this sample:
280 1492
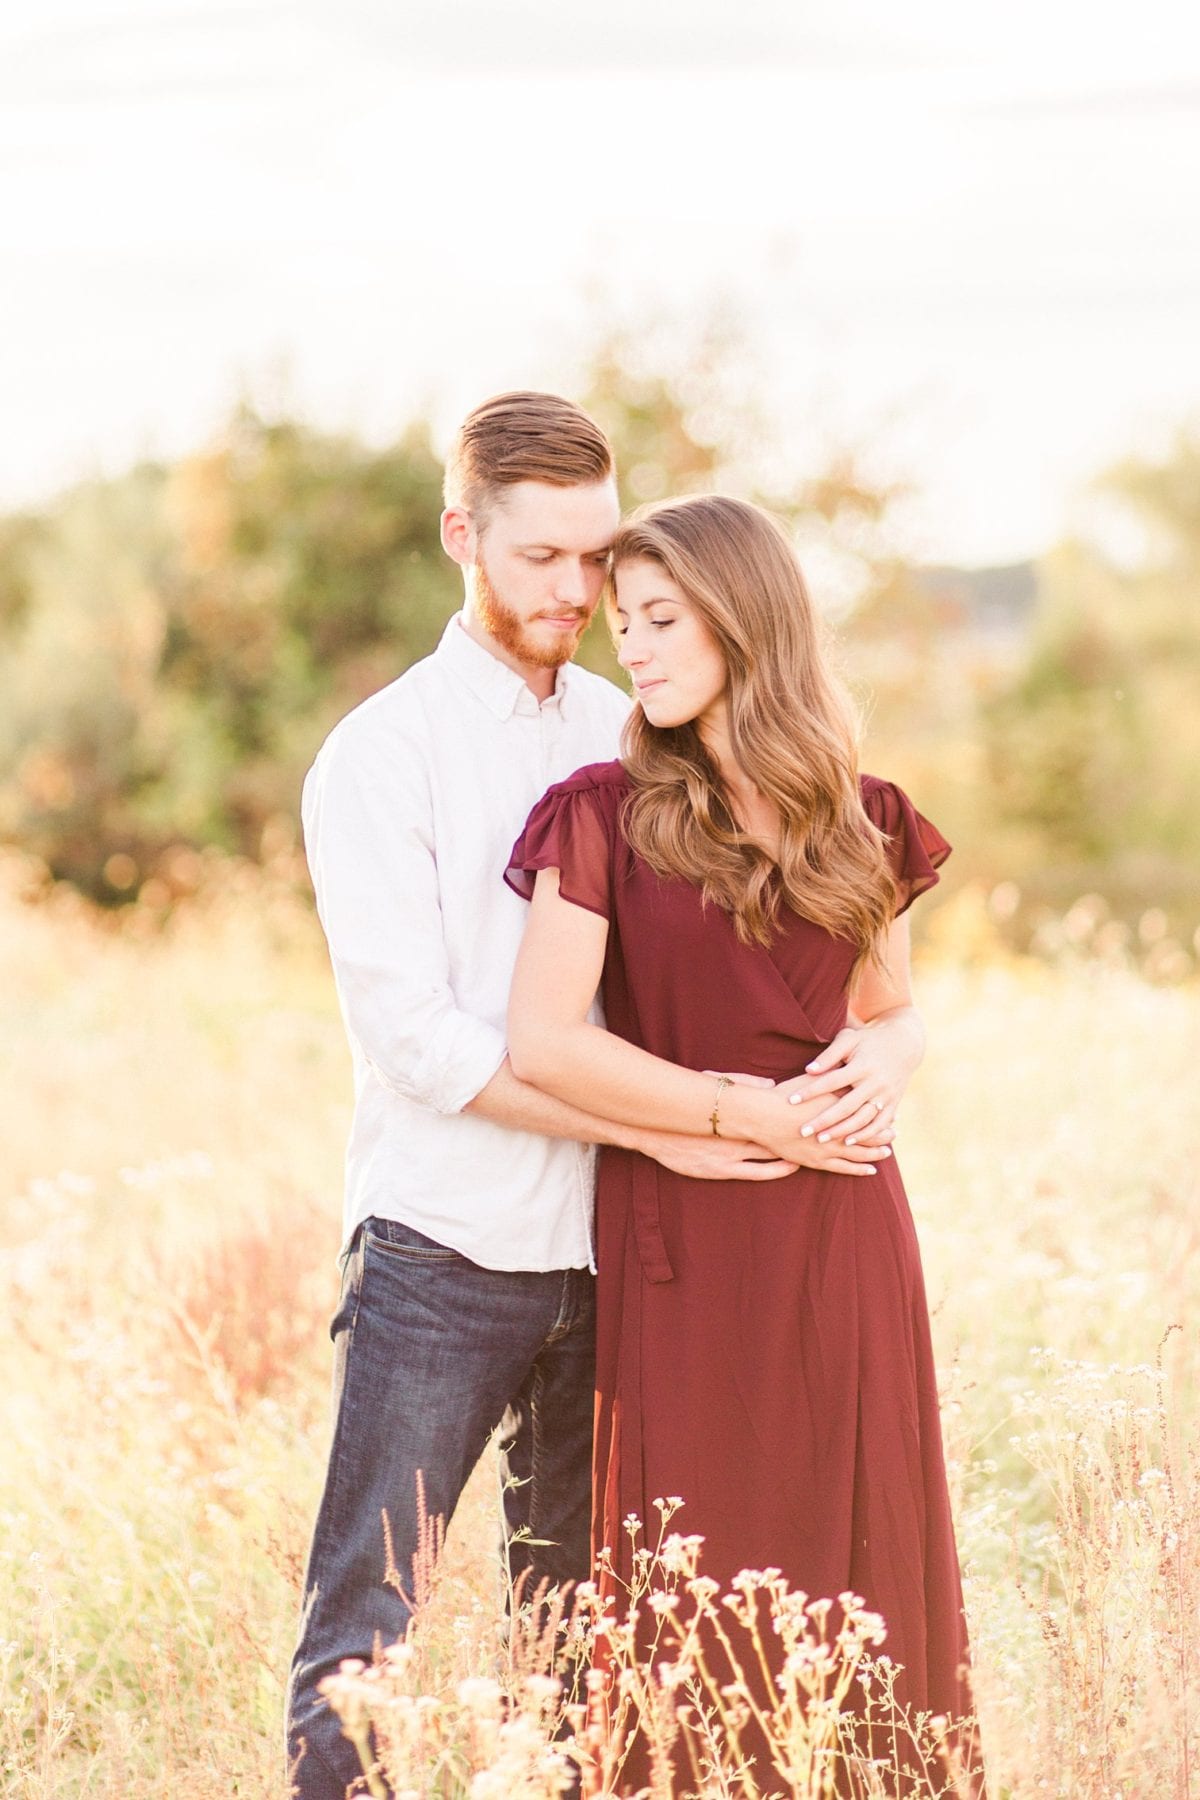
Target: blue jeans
432 1353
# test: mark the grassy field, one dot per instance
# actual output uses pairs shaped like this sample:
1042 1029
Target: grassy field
175 1107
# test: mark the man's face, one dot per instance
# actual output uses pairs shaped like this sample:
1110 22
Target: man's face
541 561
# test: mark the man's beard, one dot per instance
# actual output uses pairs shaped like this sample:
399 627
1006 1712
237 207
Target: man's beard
510 632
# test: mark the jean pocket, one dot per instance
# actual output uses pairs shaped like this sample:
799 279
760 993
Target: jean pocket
351 1286
397 1239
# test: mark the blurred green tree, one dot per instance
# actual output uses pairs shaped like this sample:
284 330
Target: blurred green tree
1093 748
178 640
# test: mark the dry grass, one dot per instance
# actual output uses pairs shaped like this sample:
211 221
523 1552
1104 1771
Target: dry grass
169 1196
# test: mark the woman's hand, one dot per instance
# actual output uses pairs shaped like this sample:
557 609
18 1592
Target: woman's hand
866 1070
770 1119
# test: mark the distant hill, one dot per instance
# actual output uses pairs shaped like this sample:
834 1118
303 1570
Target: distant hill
995 604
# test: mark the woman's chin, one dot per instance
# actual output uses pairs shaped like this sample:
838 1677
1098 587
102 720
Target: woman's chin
664 717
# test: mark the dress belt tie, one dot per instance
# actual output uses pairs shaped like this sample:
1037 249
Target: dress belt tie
647 1221
655 1266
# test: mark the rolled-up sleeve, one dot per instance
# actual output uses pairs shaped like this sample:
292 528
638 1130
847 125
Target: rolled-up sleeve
368 836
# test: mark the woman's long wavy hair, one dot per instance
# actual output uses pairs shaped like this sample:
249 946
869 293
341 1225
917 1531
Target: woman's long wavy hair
790 727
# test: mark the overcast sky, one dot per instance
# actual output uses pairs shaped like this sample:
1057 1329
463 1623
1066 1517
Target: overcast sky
965 235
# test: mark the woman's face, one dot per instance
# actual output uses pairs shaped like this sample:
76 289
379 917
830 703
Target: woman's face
676 663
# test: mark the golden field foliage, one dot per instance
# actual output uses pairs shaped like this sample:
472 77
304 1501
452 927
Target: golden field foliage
176 1100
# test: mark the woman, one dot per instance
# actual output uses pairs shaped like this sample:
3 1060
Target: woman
734 890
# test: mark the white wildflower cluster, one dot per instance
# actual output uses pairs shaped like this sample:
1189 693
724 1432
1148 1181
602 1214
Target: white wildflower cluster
190 1165
58 1191
503 1733
679 1555
699 1673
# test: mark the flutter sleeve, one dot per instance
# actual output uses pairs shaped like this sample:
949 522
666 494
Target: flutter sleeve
570 829
916 848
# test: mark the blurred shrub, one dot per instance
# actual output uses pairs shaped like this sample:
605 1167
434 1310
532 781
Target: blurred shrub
178 640
242 1311
1092 748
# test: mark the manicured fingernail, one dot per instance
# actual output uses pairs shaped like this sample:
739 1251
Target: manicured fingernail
822 1137
852 1140
794 1099
806 1131
812 1067
885 1152
871 1170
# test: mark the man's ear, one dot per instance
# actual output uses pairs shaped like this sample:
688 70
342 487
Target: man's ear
459 537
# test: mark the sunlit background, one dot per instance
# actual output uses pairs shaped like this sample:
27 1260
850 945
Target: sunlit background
965 235
926 280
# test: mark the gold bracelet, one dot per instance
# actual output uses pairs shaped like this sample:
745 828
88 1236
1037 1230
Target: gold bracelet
714 1118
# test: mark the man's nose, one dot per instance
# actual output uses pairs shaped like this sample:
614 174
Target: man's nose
571 584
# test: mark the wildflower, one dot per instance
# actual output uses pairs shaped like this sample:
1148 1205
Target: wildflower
817 1658
478 1693
748 1581
679 1554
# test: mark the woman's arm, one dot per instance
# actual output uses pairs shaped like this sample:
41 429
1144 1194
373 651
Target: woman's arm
869 1064
552 1044
518 1106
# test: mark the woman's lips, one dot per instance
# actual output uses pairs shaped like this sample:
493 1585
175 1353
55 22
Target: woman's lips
647 687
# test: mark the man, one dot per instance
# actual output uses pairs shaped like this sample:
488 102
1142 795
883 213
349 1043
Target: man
467 1286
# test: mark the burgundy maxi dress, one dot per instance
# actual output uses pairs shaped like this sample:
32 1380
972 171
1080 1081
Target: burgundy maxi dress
763 1349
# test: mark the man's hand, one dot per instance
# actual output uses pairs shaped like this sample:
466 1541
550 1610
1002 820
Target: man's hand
711 1158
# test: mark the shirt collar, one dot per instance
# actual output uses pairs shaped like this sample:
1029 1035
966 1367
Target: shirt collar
500 688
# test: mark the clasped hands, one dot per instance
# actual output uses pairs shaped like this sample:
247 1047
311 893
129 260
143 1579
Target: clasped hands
840 1114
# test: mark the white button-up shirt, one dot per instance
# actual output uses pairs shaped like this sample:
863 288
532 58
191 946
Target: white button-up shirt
410 811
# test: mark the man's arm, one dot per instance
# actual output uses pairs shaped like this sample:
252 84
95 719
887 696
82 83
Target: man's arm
506 1100
368 835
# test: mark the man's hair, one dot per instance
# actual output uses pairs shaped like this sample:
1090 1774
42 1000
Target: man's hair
523 437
